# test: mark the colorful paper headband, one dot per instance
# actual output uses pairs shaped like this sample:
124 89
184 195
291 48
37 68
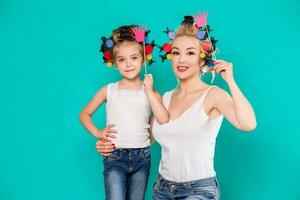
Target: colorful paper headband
208 43
129 33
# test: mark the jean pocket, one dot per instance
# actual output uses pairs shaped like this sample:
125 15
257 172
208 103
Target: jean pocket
115 155
146 153
156 186
209 192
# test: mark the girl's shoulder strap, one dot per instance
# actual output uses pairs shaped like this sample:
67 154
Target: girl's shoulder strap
111 87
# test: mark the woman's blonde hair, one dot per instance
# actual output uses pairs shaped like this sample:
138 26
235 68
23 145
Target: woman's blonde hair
187 29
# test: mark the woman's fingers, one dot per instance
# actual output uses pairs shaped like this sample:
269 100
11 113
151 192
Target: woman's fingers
104 147
105 150
219 69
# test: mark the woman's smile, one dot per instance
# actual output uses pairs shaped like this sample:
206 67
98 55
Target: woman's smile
182 68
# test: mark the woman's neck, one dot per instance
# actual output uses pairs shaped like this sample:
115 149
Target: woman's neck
191 85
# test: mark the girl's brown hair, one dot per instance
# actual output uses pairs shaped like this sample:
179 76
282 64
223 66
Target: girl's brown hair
122 35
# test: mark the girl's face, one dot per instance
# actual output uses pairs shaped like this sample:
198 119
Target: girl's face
128 59
185 57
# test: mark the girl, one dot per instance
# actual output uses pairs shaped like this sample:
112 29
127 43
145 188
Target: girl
128 104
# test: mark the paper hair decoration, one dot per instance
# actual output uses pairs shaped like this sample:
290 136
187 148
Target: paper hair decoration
208 43
129 33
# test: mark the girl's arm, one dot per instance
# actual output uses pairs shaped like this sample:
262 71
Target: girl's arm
87 112
159 111
235 108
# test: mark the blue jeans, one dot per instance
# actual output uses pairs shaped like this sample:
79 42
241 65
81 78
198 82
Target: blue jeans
204 189
126 173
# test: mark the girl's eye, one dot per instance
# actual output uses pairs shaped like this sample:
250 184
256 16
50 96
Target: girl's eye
121 60
190 53
175 53
135 57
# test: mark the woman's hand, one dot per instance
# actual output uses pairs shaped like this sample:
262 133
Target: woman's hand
104 147
225 68
236 108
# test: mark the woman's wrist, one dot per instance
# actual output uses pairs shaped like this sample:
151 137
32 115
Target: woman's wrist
231 82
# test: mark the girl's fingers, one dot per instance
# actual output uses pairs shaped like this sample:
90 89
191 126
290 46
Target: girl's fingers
148 77
109 126
112 131
108 140
109 135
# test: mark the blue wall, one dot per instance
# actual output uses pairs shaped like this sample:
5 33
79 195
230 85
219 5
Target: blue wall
51 67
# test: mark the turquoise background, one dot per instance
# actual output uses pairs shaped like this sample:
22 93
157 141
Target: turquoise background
51 67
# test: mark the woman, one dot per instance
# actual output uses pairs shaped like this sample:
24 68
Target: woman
196 111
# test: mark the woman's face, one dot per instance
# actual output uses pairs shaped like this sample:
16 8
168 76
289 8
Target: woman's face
185 57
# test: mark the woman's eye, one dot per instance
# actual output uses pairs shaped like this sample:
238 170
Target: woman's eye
175 53
190 53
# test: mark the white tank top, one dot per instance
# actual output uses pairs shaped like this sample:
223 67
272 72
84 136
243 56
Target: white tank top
129 111
188 143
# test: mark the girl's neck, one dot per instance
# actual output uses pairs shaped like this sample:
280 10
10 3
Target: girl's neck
130 83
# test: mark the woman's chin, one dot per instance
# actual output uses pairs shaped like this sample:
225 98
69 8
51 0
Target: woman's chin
183 76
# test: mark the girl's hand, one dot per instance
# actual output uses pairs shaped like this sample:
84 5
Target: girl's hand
107 133
225 68
148 83
104 147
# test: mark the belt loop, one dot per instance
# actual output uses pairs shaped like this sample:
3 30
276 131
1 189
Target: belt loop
159 178
217 182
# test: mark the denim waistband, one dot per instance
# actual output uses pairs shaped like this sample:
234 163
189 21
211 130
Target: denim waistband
200 182
131 149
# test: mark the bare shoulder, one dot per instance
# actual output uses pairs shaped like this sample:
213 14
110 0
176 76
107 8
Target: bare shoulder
102 93
103 90
216 94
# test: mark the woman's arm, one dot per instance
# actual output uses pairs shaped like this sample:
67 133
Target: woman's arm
87 112
152 140
235 108
159 111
